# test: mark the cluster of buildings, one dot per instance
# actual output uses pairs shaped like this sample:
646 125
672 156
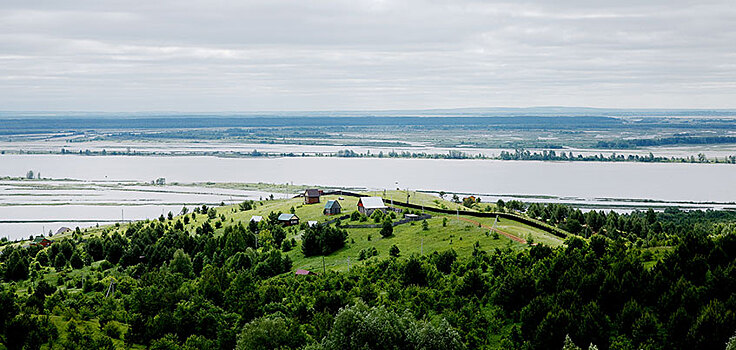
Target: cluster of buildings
366 206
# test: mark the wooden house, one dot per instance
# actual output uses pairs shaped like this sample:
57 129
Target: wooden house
288 219
42 241
367 205
62 230
312 195
332 208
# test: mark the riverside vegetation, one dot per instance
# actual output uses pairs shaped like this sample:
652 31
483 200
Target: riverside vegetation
209 278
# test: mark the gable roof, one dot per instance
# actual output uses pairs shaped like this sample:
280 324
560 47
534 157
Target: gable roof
39 239
372 202
256 218
62 230
312 192
287 217
331 204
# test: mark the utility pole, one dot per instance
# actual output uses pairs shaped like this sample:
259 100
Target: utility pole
422 247
324 269
348 264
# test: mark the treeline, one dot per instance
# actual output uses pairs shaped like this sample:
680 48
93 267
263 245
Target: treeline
452 154
551 155
518 154
666 141
643 228
592 292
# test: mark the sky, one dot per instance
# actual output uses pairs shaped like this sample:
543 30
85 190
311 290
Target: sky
276 55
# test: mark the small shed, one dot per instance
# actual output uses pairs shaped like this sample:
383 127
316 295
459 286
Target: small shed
332 208
302 272
256 218
367 205
289 219
312 223
311 196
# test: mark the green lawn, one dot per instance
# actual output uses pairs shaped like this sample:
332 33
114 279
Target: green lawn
411 239
425 199
522 230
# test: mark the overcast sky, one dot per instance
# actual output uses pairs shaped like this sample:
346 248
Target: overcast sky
209 55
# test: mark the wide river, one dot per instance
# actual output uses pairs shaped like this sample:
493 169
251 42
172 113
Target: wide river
583 181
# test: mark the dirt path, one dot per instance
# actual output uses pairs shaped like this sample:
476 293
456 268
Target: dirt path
510 236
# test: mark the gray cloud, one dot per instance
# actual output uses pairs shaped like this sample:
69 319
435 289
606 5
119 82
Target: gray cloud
360 54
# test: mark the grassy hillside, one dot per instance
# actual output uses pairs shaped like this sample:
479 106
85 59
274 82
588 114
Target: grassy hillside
409 238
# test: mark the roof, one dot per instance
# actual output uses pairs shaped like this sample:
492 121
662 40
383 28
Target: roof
330 204
39 239
312 192
312 223
372 202
62 230
287 217
304 272
256 218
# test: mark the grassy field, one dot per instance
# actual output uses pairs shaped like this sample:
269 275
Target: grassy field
410 239
530 234
426 199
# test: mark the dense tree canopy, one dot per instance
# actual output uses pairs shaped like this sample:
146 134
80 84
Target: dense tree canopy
201 290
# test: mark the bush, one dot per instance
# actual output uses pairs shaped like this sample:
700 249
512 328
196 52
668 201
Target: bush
377 216
104 265
367 253
323 240
286 246
271 332
360 327
388 228
394 251
113 331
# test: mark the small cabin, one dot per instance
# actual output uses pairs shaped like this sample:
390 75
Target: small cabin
312 195
256 218
42 241
288 219
302 272
62 230
332 208
367 205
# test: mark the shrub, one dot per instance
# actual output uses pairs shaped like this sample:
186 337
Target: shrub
388 228
113 331
323 240
394 251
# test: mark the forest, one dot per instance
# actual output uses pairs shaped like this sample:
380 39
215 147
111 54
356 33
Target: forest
644 280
